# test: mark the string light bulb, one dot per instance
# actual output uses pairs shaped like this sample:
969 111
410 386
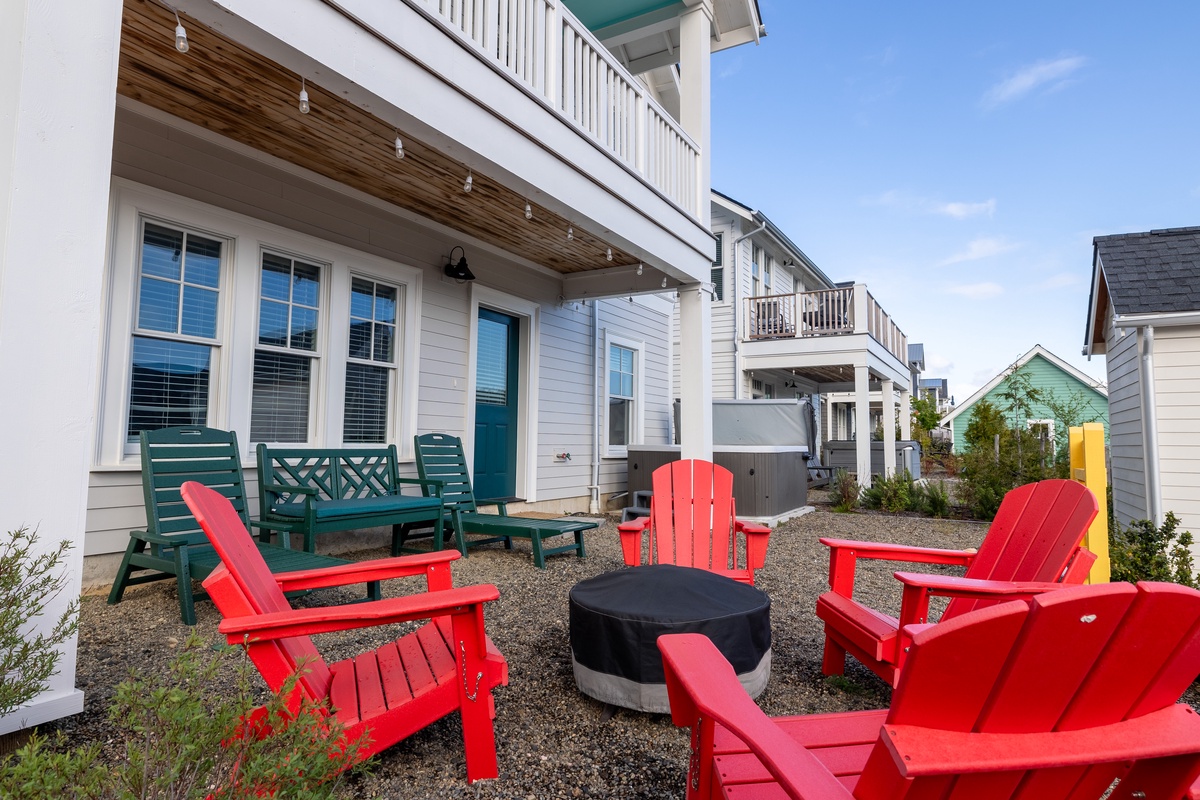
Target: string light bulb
399 146
469 182
528 210
181 42
304 106
639 270
664 282
608 254
570 232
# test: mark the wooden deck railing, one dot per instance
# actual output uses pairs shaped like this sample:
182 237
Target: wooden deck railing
850 309
544 47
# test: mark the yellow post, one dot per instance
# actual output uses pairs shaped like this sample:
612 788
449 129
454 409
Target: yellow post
1087 467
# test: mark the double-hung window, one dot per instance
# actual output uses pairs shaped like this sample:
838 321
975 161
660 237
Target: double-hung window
175 328
371 364
623 387
286 354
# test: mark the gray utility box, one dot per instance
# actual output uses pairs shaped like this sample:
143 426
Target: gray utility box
844 455
767 481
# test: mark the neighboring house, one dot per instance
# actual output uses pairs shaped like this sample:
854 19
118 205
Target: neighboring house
1144 318
782 328
1046 372
259 217
939 390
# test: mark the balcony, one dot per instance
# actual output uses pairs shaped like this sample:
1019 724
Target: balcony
541 45
816 316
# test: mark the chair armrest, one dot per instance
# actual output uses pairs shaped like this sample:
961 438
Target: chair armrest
703 689
919 587
756 542
501 503
311 621
844 555
1170 731
428 564
631 539
287 488
901 552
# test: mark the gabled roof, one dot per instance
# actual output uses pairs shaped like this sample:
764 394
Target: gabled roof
1152 273
1142 275
1037 350
759 218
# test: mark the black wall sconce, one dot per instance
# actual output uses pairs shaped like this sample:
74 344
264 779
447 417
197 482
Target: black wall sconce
458 270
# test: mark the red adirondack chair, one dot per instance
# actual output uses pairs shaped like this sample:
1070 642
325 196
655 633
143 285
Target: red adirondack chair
1032 546
693 523
449 664
1055 697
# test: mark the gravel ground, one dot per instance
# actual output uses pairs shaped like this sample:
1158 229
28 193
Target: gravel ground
552 741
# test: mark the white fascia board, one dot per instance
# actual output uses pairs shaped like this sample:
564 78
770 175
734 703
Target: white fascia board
1163 320
403 67
1089 343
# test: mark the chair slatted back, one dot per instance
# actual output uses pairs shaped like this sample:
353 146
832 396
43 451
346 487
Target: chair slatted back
337 474
244 585
441 457
692 515
1071 660
171 456
1033 537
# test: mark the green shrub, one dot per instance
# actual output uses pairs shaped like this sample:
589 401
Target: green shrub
1143 552
846 491
932 499
892 494
185 738
30 581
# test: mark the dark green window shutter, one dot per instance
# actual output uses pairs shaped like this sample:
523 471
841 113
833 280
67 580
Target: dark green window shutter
718 269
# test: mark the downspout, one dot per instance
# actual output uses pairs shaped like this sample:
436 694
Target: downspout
1150 429
594 489
737 281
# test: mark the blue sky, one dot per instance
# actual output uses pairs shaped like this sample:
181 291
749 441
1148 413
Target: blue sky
958 157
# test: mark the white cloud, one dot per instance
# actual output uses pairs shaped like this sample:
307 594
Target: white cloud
977 291
964 210
936 362
922 205
1028 79
983 247
1059 281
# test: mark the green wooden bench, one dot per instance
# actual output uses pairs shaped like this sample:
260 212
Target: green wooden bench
440 458
173 544
310 490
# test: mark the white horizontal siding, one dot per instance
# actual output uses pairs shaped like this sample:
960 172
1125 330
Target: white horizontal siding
1176 389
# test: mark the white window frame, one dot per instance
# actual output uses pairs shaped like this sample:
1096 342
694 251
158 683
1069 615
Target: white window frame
230 384
638 425
392 366
1049 424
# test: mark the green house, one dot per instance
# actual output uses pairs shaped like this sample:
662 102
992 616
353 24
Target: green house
1046 372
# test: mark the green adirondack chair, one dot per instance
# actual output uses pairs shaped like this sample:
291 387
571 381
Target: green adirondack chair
440 457
173 544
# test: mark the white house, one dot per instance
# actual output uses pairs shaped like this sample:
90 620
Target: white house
265 216
1144 318
782 328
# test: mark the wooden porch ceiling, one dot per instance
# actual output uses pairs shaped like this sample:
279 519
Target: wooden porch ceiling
231 90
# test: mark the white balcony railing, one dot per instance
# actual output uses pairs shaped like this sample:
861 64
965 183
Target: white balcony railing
543 46
831 312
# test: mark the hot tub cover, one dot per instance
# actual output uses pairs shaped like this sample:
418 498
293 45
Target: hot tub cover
616 619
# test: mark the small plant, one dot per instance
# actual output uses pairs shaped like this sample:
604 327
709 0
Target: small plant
932 499
186 739
894 494
29 582
846 491
1144 552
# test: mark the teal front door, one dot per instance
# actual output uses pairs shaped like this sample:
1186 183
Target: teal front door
496 371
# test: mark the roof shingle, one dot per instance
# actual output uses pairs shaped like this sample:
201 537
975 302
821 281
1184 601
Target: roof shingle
1157 272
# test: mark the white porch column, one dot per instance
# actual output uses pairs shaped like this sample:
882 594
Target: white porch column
889 427
905 414
695 92
58 78
862 424
695 371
